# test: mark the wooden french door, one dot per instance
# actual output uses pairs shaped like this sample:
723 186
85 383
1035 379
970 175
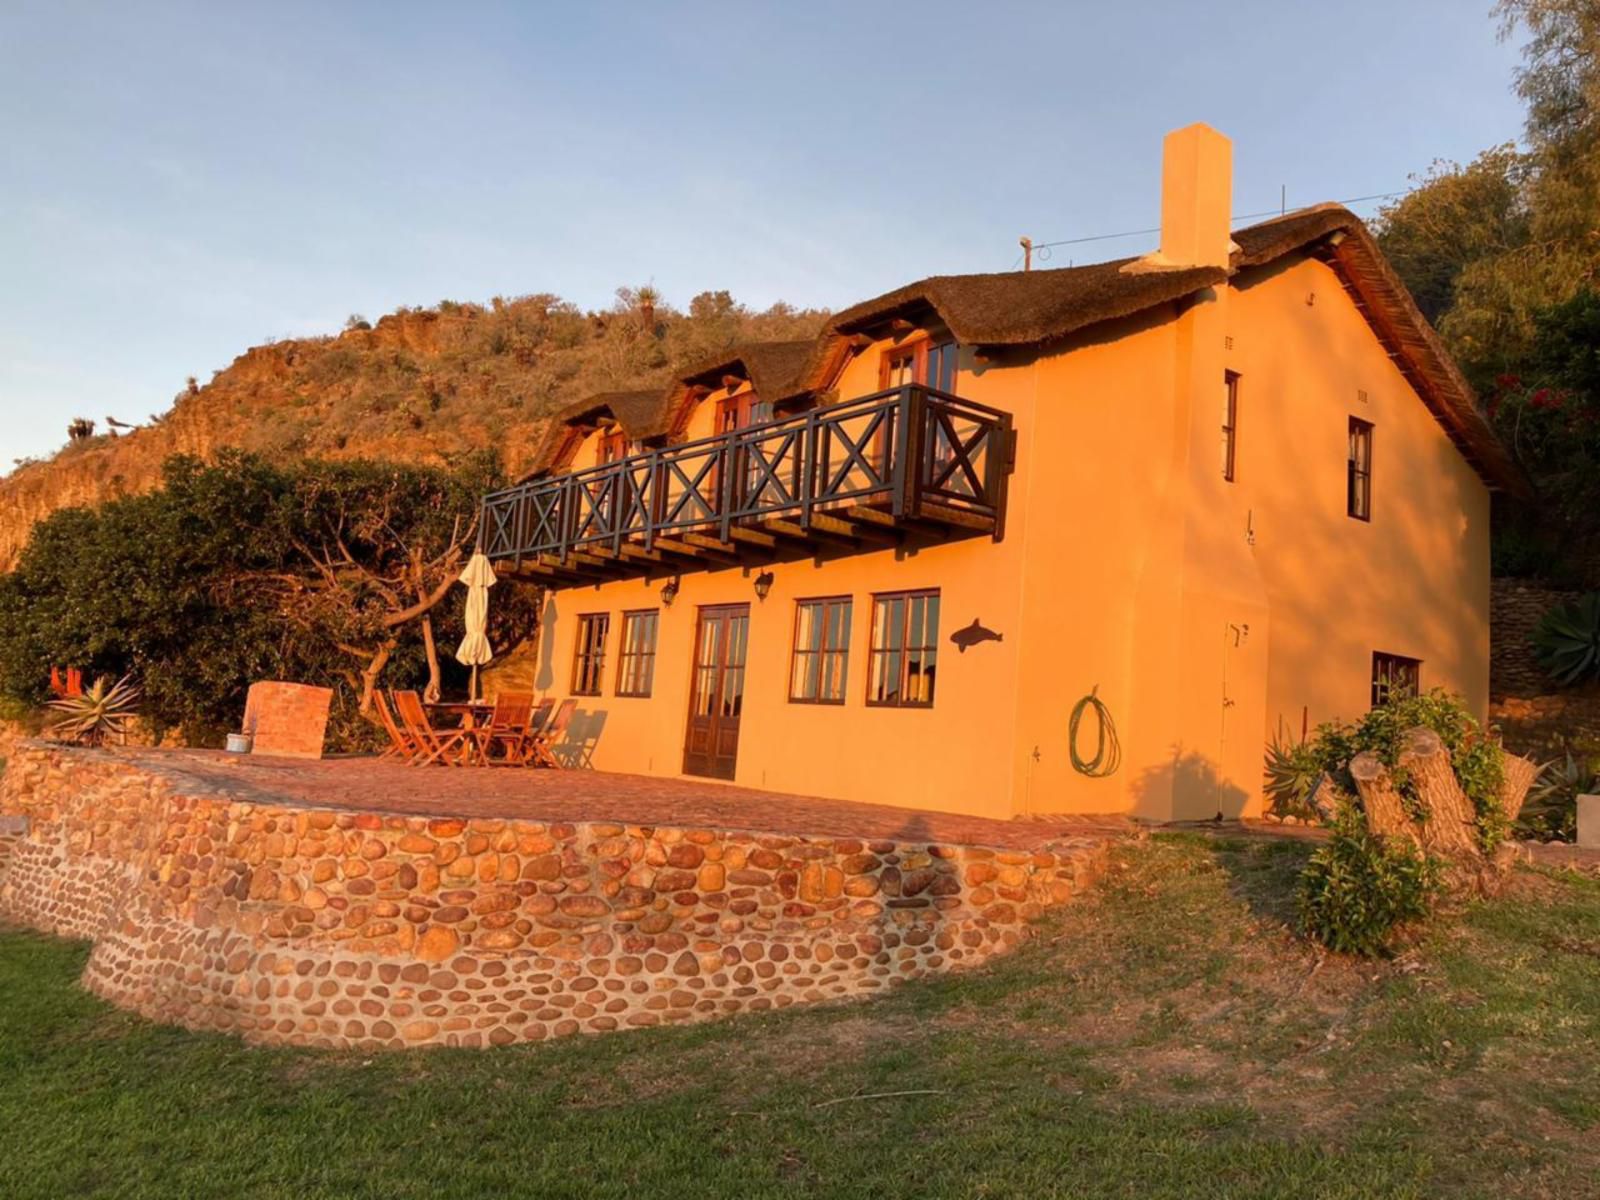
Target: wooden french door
716 698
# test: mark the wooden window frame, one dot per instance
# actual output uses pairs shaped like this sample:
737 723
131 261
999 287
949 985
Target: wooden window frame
1385 667
840 654
589 654
1358 475
643 659
1230 427
925 651
613 446
917 348
743 406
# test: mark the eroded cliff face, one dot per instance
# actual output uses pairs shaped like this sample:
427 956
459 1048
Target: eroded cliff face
420 386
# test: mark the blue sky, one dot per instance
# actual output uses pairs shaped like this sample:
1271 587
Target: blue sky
179 182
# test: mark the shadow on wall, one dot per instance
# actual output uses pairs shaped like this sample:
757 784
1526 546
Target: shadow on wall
545 677
1186 788
575 750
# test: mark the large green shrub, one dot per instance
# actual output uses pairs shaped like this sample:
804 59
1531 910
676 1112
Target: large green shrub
200 588
1358 891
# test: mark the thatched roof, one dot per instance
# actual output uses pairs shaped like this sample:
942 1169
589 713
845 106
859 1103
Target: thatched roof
1030 308
1018 308
639 413
1021 308
1336 236
771 367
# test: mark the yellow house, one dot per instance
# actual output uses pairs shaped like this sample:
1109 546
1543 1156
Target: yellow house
1230 487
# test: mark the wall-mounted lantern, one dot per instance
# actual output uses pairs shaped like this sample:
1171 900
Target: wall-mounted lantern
669 591
763 584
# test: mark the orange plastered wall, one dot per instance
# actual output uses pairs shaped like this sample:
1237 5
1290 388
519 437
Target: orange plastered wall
1414 580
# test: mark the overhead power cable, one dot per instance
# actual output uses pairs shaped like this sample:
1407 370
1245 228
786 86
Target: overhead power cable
1271 212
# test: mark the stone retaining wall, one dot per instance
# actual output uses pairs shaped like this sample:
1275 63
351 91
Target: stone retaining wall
1515 610
337 928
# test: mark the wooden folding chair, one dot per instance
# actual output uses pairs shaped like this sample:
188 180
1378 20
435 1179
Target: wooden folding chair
435 744
539 746
507 727
401 743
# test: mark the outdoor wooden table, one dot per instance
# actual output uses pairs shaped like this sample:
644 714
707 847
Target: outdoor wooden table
465 714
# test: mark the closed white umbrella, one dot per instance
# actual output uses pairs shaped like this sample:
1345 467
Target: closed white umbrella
474 650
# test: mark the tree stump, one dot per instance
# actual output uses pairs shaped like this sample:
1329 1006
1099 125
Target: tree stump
1451 824
1381 802
1326 798
1519 777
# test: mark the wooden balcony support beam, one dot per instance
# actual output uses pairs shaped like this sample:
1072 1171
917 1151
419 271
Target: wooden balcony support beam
691 546
573 571
753 537
782 527
640 555
710 546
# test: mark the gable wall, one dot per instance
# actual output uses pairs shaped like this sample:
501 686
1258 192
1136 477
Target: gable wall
1415 579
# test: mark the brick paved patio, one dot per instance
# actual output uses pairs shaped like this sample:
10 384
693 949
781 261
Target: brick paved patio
366 783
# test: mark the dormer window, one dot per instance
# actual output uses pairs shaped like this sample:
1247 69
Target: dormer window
614 445
741 412
925 361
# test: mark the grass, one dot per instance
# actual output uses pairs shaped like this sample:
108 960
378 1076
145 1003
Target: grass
1169 1037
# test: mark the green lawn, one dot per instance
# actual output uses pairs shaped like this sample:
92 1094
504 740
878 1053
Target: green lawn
1166 1037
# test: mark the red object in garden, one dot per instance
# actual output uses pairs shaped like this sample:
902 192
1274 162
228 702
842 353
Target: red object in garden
72 685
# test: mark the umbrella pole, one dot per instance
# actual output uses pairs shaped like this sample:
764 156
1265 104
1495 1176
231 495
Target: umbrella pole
472 688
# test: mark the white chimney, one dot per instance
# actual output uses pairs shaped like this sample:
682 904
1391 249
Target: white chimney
1196 197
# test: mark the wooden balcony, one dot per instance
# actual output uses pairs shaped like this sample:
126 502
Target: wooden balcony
910 463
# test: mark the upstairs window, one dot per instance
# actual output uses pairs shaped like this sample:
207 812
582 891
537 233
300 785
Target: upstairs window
614 444
926 362
821 651
741 411
589 656
905 649
1394 677
1230 424
1359 477
636 660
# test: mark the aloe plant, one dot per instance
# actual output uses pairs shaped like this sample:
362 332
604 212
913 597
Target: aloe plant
1567 640
1291 770
102 712
1552 807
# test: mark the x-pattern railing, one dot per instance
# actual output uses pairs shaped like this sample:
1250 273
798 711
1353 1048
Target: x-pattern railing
896 451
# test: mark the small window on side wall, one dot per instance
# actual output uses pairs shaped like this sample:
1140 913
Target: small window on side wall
1230 425
589 656
1394 677
1358 490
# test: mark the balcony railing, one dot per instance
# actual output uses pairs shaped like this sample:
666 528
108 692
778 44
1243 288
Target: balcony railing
910 455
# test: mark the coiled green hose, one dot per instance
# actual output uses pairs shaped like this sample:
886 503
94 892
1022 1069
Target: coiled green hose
1107 751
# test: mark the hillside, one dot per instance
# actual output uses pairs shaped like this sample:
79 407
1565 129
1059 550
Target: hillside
420 385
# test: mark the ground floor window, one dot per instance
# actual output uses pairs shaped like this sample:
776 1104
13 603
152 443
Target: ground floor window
1394 677
821 651
905 649
589 657
636 662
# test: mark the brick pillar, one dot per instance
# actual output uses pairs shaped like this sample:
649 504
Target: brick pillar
287 719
